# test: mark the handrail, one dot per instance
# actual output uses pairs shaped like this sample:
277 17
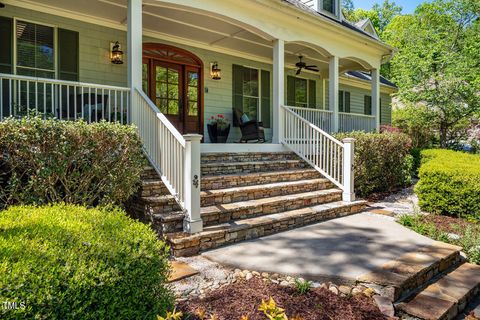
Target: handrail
65 100
357 115
323 119
163 145
315 146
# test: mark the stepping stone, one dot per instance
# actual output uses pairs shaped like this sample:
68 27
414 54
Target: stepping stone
382 212
180 270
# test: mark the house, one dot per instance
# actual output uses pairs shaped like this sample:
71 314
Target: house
296 69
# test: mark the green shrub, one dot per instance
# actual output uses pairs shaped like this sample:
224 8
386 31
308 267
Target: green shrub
382 161
449 183
47 161
69 262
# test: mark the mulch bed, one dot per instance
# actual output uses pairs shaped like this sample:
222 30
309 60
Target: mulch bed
244 297
449 224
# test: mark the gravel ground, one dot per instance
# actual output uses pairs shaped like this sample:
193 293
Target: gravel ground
404 201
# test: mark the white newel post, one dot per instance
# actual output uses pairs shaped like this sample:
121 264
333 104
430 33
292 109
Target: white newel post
348 176
376 97
333 91
134 51
278 89
191 175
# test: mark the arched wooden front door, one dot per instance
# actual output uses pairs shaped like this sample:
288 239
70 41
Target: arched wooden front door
173 79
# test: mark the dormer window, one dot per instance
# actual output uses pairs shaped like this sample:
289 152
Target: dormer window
329 6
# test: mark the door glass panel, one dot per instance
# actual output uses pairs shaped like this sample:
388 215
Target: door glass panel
192 94
167 90
145 78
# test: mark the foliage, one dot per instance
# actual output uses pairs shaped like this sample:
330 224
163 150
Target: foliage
436 65
70 262
46 161
219 120
382 162
449 183
303 286
469 238
416 121
173 315
271 311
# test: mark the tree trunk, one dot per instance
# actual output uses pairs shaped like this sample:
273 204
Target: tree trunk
443 136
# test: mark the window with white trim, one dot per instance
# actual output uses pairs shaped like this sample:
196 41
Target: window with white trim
35 49
301 92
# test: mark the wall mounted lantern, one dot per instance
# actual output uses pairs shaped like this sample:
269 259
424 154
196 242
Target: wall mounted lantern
215 72
116 54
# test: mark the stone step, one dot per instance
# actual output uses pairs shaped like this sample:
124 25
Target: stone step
218 214
159 203
249 179
447 297
247 156
153 187
212 237
223 168
399 278
224 196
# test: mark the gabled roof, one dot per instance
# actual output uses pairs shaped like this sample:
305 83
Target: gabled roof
299 4
367 26
361 75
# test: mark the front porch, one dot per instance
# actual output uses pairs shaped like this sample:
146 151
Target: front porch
167 87
231 44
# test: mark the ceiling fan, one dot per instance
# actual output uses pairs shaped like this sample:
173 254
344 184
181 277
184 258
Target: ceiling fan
302 65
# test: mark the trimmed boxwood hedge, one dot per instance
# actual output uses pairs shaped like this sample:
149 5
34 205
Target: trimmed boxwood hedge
449 183
382 161
49 161
70 262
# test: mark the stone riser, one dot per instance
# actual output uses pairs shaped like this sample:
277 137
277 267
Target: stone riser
247 157
232 181
247 167
215 218
154 189
246 232
229 196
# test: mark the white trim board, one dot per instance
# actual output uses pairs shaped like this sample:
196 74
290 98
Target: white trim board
241 147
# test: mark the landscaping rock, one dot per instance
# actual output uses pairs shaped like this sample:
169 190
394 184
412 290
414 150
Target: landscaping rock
385 305
345 290
333 289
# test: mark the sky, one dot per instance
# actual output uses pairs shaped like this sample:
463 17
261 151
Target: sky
408 5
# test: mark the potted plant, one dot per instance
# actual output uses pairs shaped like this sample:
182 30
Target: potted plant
218 129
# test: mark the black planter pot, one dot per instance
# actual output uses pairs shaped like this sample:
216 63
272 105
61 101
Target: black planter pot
222 134
218 135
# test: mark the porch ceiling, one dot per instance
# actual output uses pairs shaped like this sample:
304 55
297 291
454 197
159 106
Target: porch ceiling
190 25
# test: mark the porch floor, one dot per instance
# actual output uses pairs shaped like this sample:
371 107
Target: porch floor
339 250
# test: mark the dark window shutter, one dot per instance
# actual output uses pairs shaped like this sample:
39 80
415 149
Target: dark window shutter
68 55
347 102
237 89
6 45
367 105
340 101
265 104
312 93
291 91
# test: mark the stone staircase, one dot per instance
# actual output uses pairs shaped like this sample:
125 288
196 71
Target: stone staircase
243 196
431 283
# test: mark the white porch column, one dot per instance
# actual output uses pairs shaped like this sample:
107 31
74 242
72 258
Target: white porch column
348 176
191 183
278 89
333 91
134 50
376 97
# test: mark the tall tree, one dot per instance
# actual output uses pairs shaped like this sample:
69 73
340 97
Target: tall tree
437 63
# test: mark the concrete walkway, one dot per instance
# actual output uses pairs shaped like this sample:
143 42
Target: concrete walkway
338 250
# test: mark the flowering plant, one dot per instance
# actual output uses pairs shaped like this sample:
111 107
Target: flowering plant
220 121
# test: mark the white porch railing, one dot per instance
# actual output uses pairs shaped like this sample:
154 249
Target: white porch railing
175 157
321 118
356 122
329 156
65 100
